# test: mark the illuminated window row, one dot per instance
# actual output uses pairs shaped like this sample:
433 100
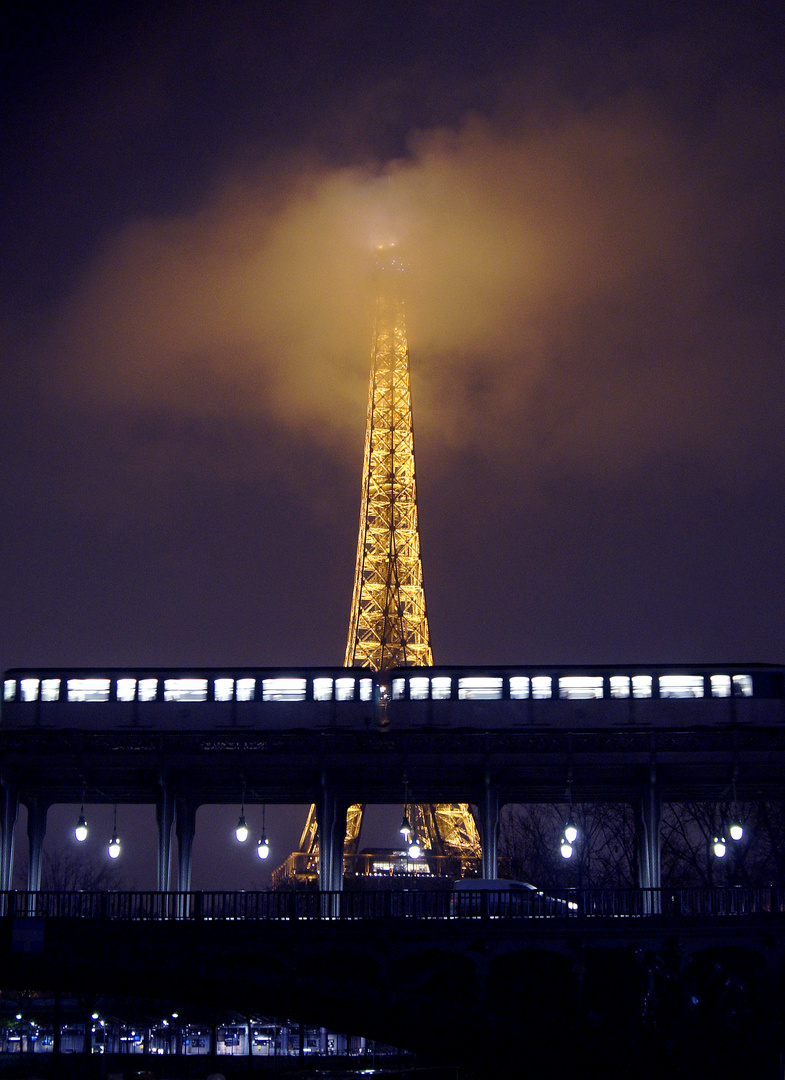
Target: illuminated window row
569 687
287 688
348 688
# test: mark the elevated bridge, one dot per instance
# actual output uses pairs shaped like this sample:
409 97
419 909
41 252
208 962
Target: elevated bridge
573 981
339 736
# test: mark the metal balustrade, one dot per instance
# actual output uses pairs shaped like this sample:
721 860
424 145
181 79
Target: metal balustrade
499 906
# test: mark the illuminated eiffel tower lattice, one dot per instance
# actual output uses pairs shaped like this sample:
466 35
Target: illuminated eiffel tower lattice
388 625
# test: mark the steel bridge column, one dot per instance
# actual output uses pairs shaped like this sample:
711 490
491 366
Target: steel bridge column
339 832
36 831
331 819
165 817
489 829
641 845
185 828
9 811
647 829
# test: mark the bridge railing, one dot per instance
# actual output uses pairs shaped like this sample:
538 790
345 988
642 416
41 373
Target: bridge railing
491 905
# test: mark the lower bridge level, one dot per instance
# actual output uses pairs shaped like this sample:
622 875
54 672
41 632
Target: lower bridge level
606 982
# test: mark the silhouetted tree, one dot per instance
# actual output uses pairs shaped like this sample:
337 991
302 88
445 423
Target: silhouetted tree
689 828
603 854
68 869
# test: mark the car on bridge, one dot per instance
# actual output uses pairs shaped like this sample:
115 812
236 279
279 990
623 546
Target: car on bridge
498 898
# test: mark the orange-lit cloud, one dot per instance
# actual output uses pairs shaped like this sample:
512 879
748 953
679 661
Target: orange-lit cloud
573 290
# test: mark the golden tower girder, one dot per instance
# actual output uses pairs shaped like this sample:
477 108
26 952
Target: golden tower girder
388 624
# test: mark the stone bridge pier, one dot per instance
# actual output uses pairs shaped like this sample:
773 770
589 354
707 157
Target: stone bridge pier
658 999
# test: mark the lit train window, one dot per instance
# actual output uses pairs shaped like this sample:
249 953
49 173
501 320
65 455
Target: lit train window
50 689
344 689
580 687
399 689
245 689
322 689
29 689
681 686
519 687
742 686
479 688
441 688
148 689
541 687
620 686
223 689
284 689
185 689
366 689
418 687
9 689
126 689
641 686
88 689
720 685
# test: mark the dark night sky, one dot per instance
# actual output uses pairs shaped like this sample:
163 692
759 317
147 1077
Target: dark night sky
591 201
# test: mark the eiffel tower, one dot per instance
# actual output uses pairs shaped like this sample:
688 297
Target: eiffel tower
388 625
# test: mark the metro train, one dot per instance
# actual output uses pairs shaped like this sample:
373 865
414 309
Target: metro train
452 697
